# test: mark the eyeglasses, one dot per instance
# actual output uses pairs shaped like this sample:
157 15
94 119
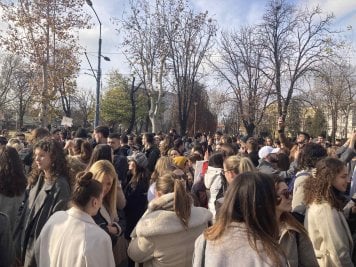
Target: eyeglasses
225 171
286 194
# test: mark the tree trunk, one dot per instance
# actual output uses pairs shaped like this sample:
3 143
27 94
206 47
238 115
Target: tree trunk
133 107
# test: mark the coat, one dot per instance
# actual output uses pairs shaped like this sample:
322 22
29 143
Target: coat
232 249
213 182
7 252
298 203
42 201
330 235
10 206
160 239
297 247
72 238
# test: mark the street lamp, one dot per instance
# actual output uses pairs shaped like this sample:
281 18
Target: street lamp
98 74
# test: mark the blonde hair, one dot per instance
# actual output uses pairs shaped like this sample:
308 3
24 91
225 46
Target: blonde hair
169 183
163 164
239 164
103 168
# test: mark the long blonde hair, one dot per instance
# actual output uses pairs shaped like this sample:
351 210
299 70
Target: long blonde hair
103 168
169 183
163 164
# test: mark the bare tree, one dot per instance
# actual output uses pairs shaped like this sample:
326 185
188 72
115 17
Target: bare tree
335 91
296 41
146 48
84 105
240 64
189 36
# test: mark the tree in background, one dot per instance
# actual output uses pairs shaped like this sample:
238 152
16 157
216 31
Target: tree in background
39 31
240 67
295 41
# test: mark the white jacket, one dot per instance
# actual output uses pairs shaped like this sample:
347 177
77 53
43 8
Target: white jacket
71 238
213 182
330 235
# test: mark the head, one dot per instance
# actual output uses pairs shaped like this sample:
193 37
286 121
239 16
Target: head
147 139
170 183
21 137
39 134
302 139
16 143
137 162
56 135
124 140
81 133
235 165
329 181
114 141
321 139
181 162
284 197
178 145
101 133
173 153
269 141
264 152
251 144
100 152
216 160
87 194
310 155
163 165
49 157
104 172
12 178
251 199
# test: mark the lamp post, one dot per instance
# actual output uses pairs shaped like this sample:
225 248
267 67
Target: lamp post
98 74
195 115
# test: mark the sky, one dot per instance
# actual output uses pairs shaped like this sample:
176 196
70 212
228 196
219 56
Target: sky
229 14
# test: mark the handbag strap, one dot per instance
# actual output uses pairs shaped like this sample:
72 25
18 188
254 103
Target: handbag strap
203 256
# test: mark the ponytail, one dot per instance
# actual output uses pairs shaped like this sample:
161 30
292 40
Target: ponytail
171 183
182 202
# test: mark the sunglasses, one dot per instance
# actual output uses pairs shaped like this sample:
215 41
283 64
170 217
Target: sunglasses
286 194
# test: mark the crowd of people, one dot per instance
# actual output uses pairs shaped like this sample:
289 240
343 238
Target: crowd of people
110 199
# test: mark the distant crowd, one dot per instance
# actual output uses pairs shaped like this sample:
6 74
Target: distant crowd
155 199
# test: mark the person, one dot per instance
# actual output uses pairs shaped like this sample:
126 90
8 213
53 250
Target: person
119 157
213 180
235 165
100 152
136 191
308 157
246 230
101 134
12 182
293 238
324 218
49 191
7 251
151 151
71 238
165 234
163 165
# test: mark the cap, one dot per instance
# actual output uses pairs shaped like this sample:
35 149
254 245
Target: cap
180 161
265 151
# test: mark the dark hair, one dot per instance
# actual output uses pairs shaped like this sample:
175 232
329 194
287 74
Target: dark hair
85 188
216 160
12 178
124 139
104 130
3 140
56 130
310 155
100 152
177 143
57 156
251 199
83 148
252 144
81 133
114 136
149 138
307 136
38 134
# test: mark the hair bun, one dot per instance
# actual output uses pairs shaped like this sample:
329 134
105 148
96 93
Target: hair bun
83 178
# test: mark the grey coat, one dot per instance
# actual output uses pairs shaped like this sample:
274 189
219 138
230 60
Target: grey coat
36 210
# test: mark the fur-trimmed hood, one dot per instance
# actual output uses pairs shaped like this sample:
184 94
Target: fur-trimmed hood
160 219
